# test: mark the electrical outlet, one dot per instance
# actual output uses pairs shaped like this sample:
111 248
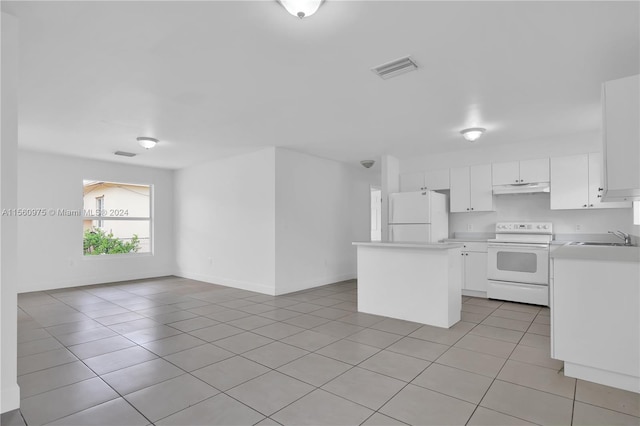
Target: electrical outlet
210 261
578 227
469 227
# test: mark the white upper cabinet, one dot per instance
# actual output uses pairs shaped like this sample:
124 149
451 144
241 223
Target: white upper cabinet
459 198
532 171
621 138
596 198
437 180
576 183
527 171
434 180
506 173
411 182
471 189
569 182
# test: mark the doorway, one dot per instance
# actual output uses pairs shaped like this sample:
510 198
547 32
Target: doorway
376 213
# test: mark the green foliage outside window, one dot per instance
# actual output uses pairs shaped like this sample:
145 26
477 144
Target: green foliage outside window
96 241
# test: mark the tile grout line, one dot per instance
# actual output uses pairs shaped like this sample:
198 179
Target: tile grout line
338 319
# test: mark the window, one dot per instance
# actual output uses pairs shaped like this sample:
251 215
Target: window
116 218
99 208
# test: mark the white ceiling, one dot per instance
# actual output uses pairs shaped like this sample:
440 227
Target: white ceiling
214 78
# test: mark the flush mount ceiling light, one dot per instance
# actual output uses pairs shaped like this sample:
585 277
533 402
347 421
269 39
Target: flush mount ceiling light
301 8
367 163
472 133
146 142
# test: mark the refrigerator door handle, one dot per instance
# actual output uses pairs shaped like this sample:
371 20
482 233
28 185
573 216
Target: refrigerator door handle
391 209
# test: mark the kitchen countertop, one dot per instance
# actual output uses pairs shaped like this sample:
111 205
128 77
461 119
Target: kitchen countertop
425 246
608 254
471 237
466 240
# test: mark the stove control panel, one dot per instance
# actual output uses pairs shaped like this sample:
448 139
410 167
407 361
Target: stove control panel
524 228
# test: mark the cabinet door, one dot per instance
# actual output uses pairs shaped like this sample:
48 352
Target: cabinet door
569 182
410 182
610 341
481 190
621 138
475 271
459 196
532 171
595 186
436 179
506 173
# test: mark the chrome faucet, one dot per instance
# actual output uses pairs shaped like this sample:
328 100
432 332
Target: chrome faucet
623 236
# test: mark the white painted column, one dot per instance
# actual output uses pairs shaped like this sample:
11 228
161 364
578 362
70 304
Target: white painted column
10 392
390 184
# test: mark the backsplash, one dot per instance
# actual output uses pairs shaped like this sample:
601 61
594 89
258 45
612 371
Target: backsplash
535 208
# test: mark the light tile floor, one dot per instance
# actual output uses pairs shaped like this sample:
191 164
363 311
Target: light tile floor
173 351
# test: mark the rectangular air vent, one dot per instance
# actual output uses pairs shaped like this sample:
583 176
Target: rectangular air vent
125 154
394 68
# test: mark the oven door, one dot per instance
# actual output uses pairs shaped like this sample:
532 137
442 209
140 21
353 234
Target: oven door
523 263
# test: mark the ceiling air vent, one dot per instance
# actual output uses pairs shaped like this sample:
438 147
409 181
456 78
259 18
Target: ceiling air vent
394 68
125 154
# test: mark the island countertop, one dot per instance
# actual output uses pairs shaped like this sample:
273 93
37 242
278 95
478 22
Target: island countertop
425 246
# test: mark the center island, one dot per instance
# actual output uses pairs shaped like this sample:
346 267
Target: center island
411 281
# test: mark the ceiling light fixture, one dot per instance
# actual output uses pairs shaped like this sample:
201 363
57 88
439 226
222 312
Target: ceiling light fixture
473 133
146 142
367 163
301 8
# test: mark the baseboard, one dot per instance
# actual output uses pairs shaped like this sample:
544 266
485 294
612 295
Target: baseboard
10 399
474 293
242 285
305 285
79 282
604 377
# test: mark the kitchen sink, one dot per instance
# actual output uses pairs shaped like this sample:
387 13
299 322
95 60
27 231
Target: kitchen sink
598 244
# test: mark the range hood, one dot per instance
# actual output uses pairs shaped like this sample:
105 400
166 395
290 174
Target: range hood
521 188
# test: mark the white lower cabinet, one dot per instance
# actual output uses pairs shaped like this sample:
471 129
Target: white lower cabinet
595 320
474 269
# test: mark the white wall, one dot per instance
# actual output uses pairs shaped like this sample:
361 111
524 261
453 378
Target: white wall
390 183
322 206
526 207
50 248
225 221
9 390
535 208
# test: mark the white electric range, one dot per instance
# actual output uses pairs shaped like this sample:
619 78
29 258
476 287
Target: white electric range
518 262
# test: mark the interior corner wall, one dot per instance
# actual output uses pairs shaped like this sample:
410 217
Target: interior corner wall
9 390
225 221
50 248
322 206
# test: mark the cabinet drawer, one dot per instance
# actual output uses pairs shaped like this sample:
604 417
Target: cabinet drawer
475 246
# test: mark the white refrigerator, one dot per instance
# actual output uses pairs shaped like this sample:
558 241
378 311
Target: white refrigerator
418 217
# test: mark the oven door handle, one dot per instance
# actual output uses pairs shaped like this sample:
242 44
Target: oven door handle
518 245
